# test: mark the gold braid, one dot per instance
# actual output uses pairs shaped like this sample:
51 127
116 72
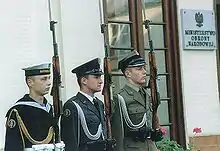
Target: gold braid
22 137
23 130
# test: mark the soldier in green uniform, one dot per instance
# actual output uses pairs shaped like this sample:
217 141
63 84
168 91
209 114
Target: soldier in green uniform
131 109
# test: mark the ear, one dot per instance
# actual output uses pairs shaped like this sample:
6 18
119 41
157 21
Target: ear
84 80
127 73
29 81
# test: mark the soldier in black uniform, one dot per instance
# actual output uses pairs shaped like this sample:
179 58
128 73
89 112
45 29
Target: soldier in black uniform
30 120
83 122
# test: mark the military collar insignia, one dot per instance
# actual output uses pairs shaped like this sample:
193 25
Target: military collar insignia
11 123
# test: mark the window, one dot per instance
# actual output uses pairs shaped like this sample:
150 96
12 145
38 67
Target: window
126 32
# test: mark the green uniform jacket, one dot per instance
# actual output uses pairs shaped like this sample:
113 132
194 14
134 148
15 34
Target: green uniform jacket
136 107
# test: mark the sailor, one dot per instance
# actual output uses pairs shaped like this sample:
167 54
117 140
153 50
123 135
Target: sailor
30 120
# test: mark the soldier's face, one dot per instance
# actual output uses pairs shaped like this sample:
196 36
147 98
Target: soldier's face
93 83
136 75
40 84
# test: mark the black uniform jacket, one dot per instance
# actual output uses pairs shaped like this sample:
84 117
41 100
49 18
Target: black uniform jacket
36 118
69 122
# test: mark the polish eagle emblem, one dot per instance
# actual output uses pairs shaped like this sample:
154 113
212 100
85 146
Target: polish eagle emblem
199 19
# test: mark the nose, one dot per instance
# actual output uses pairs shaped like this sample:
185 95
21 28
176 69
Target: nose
144 71
101 81
48 81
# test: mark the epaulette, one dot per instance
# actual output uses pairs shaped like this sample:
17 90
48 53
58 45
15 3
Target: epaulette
128 91
71 99
122 90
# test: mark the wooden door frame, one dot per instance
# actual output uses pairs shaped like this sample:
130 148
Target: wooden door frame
177 107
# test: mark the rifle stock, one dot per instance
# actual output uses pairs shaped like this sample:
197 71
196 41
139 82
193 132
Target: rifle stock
56 87
107 94
153 79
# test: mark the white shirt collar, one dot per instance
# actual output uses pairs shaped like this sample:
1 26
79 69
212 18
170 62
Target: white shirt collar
88 96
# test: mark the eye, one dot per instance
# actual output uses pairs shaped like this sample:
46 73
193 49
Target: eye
139 68
44 78
97 77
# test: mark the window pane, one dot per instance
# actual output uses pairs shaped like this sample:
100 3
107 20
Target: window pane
156 35
118 10
119 35
117 55
152 10
160 61
162 83
163 86
163 113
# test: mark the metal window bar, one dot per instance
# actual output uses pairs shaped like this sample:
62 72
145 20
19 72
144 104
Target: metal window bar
156 49
119 22
156 23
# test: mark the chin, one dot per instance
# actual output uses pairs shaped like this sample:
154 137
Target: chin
45 93
98 90
143 81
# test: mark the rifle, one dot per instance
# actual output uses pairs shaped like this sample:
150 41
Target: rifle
56 87
107 92
153 85
107 88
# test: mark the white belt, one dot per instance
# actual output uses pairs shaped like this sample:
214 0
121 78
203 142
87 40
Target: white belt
47 147
28 149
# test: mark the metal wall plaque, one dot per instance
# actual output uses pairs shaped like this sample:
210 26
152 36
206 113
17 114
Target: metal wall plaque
198 29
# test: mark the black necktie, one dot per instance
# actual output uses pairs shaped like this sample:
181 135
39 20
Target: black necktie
143 94
96 104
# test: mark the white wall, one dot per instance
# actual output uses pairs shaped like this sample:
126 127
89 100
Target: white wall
199 80
26 40
82 38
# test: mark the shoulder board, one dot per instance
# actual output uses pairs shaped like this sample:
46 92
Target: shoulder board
73 98
122 90
127 90
70 100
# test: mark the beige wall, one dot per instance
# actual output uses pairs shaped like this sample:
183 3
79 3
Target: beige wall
207 143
